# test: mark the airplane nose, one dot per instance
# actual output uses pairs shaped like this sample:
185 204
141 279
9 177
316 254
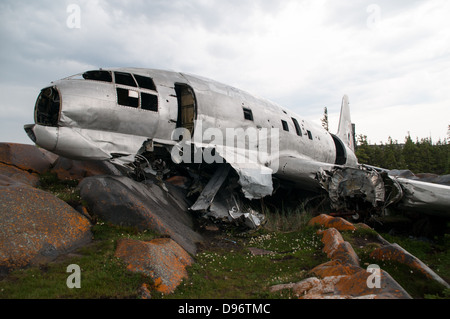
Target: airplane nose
29 130
43 136
46 116
48 107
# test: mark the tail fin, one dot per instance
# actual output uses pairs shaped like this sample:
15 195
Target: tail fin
345 129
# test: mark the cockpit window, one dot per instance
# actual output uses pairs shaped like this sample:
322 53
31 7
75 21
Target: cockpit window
47 107
127 97
149 102
98 75
125 79
145 82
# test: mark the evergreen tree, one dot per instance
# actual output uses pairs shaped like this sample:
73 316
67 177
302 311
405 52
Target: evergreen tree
389 154
410 154
363 150
325 118
421 156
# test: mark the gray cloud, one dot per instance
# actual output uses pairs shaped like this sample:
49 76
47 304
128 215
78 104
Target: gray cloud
301 54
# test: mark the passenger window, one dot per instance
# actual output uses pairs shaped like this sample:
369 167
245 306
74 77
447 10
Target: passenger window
285 125
98 75
297 127
145 82
248 115
127 97
149 102
124 78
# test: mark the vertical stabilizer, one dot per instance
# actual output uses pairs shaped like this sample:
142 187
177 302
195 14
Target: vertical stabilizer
345 128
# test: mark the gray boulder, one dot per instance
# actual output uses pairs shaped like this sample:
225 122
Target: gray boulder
36 227
126 202
26 157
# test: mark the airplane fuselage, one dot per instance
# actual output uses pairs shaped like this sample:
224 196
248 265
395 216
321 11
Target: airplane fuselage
129 115
108 114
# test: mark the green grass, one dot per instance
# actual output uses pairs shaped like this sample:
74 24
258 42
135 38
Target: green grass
219 272
102 274
237 273
65 190
435 254
224 267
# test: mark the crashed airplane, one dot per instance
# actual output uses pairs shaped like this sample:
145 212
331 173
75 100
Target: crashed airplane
154 122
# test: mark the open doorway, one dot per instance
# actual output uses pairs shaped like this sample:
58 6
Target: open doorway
187 108
341 154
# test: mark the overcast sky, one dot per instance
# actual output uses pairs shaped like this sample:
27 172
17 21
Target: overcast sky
392 58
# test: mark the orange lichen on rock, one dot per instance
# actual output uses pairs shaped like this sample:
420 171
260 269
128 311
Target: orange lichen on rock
328 221
26 157
394 252
35 227
337 249
331 238
66 168
126 202
346 254
334 268
342 277
162 259
356 285
10 175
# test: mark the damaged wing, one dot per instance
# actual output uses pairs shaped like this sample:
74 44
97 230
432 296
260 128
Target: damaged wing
431 198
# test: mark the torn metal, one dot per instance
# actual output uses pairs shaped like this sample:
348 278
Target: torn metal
349 185
254 178
225 206
362 189
434 199
377 189
358 189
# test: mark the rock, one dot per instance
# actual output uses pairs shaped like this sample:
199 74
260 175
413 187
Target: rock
123 201
350 286
144 292
319 296
328 221
356 285
26 157
342 277
11 175
396 253
298 288
31 159
334 268
331 238
337 249
72 169
345 254
37 227
162 259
